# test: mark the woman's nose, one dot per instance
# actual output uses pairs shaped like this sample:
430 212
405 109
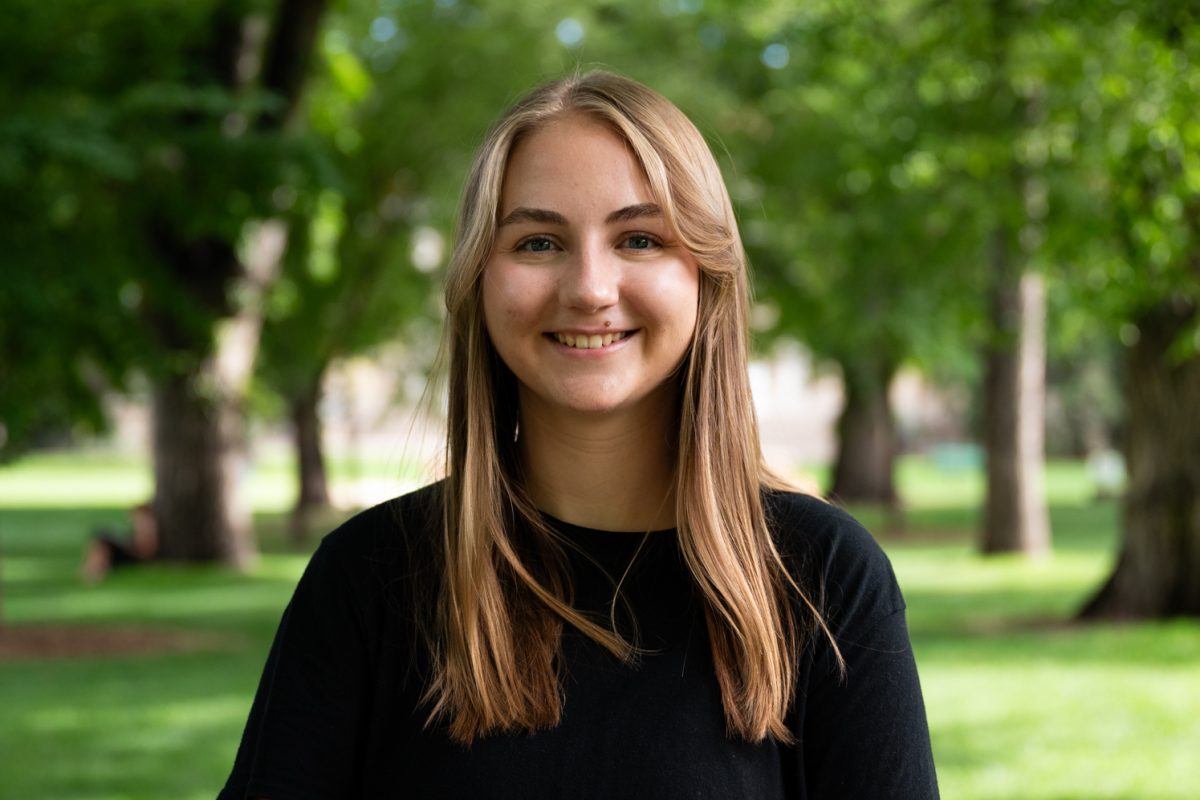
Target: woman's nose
590 280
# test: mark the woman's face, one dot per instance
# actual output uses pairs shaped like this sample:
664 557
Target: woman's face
586 296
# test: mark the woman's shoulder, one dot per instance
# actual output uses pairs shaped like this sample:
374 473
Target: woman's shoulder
375 564
804 522
827 548
397 529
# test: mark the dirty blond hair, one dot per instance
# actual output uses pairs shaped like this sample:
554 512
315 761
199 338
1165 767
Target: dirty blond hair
500 611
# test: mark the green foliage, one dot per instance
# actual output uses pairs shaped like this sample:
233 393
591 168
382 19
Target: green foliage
1129 233
120 139
870 148
859 214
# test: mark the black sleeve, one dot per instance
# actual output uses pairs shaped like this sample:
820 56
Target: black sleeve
302 737
864 733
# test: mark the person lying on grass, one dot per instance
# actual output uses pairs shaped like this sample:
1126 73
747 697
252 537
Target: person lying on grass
107 550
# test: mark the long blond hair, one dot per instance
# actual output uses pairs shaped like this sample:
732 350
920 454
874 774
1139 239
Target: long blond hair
502 602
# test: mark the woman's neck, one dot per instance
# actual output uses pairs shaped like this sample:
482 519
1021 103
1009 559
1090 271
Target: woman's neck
611 472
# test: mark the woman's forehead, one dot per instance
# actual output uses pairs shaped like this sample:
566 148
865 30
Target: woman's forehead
573 162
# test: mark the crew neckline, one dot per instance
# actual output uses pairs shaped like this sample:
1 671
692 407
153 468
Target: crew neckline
573 530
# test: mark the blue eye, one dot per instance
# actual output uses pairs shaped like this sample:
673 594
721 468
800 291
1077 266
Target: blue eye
536 244
640 241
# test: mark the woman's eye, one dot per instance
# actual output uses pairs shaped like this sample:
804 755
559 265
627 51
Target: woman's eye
536 244
640 241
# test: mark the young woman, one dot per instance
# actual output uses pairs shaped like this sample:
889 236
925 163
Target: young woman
608 596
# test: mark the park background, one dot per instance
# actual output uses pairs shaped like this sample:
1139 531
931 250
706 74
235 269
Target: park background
975 233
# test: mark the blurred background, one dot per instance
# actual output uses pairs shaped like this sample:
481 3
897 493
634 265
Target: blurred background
975 233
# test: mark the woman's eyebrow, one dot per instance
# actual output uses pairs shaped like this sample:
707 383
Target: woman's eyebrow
547 217
524 214
634 212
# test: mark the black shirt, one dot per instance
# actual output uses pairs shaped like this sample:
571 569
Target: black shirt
337 711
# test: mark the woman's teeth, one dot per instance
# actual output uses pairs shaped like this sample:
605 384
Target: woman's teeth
584 342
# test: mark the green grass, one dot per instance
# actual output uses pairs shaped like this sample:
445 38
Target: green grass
99 479
1021 704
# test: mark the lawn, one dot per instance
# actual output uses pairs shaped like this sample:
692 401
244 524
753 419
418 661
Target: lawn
1021 704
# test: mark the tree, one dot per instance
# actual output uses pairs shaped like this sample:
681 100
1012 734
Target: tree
1145 92
861 210
156 136
200 387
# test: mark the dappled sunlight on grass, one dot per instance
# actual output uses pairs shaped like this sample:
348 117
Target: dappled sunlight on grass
956 588
1037 729
149 727
78 479
1022 701
192 596
181 605
61 480
925 484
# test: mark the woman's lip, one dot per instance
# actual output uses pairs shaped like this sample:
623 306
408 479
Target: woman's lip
590 331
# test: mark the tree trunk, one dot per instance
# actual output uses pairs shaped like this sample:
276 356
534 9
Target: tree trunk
1015 516
199 457
1158 571
313 488
199 446
310 457
866 457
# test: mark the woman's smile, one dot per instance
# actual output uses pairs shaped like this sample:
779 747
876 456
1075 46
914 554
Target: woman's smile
605 342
